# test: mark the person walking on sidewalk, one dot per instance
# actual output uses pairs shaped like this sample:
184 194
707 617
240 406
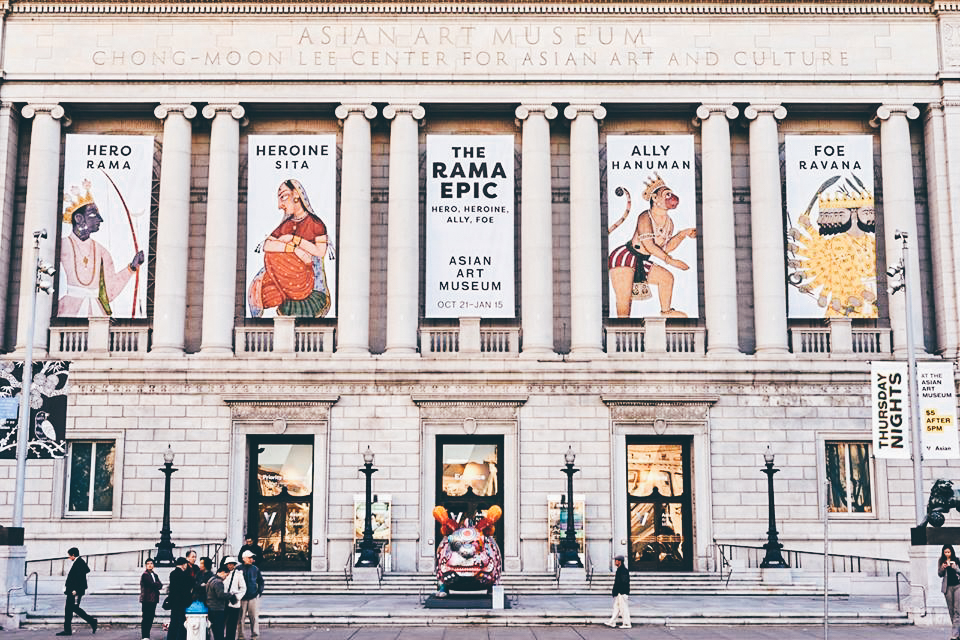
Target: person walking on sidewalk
621 591
150 586
234 588
948 570
250 604
74 589
217 603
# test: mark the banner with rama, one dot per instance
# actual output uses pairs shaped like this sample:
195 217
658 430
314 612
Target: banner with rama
105 235
470 262
831 227
46 428
652 226
291 226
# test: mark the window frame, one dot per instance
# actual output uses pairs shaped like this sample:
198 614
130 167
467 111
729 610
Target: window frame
876 477
93 438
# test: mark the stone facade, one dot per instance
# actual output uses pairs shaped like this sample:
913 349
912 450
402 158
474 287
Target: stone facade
227 71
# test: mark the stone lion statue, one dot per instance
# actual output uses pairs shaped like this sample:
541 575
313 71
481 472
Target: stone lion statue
943 497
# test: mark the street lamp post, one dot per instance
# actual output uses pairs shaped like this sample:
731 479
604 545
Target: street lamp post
23 429
369 552
898 273
164 557
568 550
773 558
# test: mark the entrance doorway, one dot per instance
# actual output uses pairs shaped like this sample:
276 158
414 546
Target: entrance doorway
659 504
281 500
470 479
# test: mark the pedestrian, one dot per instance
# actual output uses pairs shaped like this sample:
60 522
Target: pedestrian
249 545
192 569
947 569
621 591
150 586
203 577
217 602
181 596
74 589
234 588
250 604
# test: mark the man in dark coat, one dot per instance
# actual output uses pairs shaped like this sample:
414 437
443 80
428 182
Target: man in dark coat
621 590
250 545
74 589
181 597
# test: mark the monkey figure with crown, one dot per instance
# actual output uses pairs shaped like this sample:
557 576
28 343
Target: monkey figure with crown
631 265
468 557
86 266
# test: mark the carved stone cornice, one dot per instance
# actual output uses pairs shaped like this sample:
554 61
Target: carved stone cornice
528 7
672 409
485 407
275 408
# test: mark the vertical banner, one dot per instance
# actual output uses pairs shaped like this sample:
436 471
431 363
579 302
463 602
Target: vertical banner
938 410
46 430
470 227
291 226
890 410
831 227
652 226
557 521
105 231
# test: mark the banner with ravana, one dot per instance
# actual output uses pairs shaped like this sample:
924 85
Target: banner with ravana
48 409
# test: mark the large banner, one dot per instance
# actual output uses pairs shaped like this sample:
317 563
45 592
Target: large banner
291 226
890 410
652 226
105 235
470 227
831 227
938 410
46 428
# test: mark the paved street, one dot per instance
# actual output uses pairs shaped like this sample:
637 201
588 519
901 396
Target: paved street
837 632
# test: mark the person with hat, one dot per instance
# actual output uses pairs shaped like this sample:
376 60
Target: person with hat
234 589
621 590
250 603
180 592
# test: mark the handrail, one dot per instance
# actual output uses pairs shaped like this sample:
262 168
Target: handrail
794 558
723 563
922 588
348 569
380 573
9 591
102 561
589 565
36 588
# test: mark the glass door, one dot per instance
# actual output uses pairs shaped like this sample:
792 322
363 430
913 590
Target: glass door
470 478
659 504
281 492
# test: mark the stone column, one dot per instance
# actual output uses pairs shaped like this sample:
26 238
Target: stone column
9 136
766 222
220 248
900 213
403 230
42 211
943 194
536 231
353 307
719 238
173 229
586 293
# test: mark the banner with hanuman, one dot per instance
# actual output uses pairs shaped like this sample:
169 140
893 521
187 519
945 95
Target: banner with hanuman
831 227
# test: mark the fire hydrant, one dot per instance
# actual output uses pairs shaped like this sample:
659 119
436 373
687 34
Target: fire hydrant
197 623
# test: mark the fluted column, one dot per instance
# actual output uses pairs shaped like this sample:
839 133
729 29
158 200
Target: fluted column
951 126
42 211
536 231
403 224
900 213
173 229
941 231
9 137
353 308
766 223
719 245
586 293
220 248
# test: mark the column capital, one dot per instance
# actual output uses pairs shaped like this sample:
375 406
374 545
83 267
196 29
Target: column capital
54 110
573 110
548 110
367 110
163 110
885 111
211 110
754 111
704 111
392 110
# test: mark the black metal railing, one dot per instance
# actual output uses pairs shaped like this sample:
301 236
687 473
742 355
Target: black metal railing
812 560
910 588
121 560
723 563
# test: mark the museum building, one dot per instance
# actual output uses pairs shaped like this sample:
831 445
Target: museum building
471 237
